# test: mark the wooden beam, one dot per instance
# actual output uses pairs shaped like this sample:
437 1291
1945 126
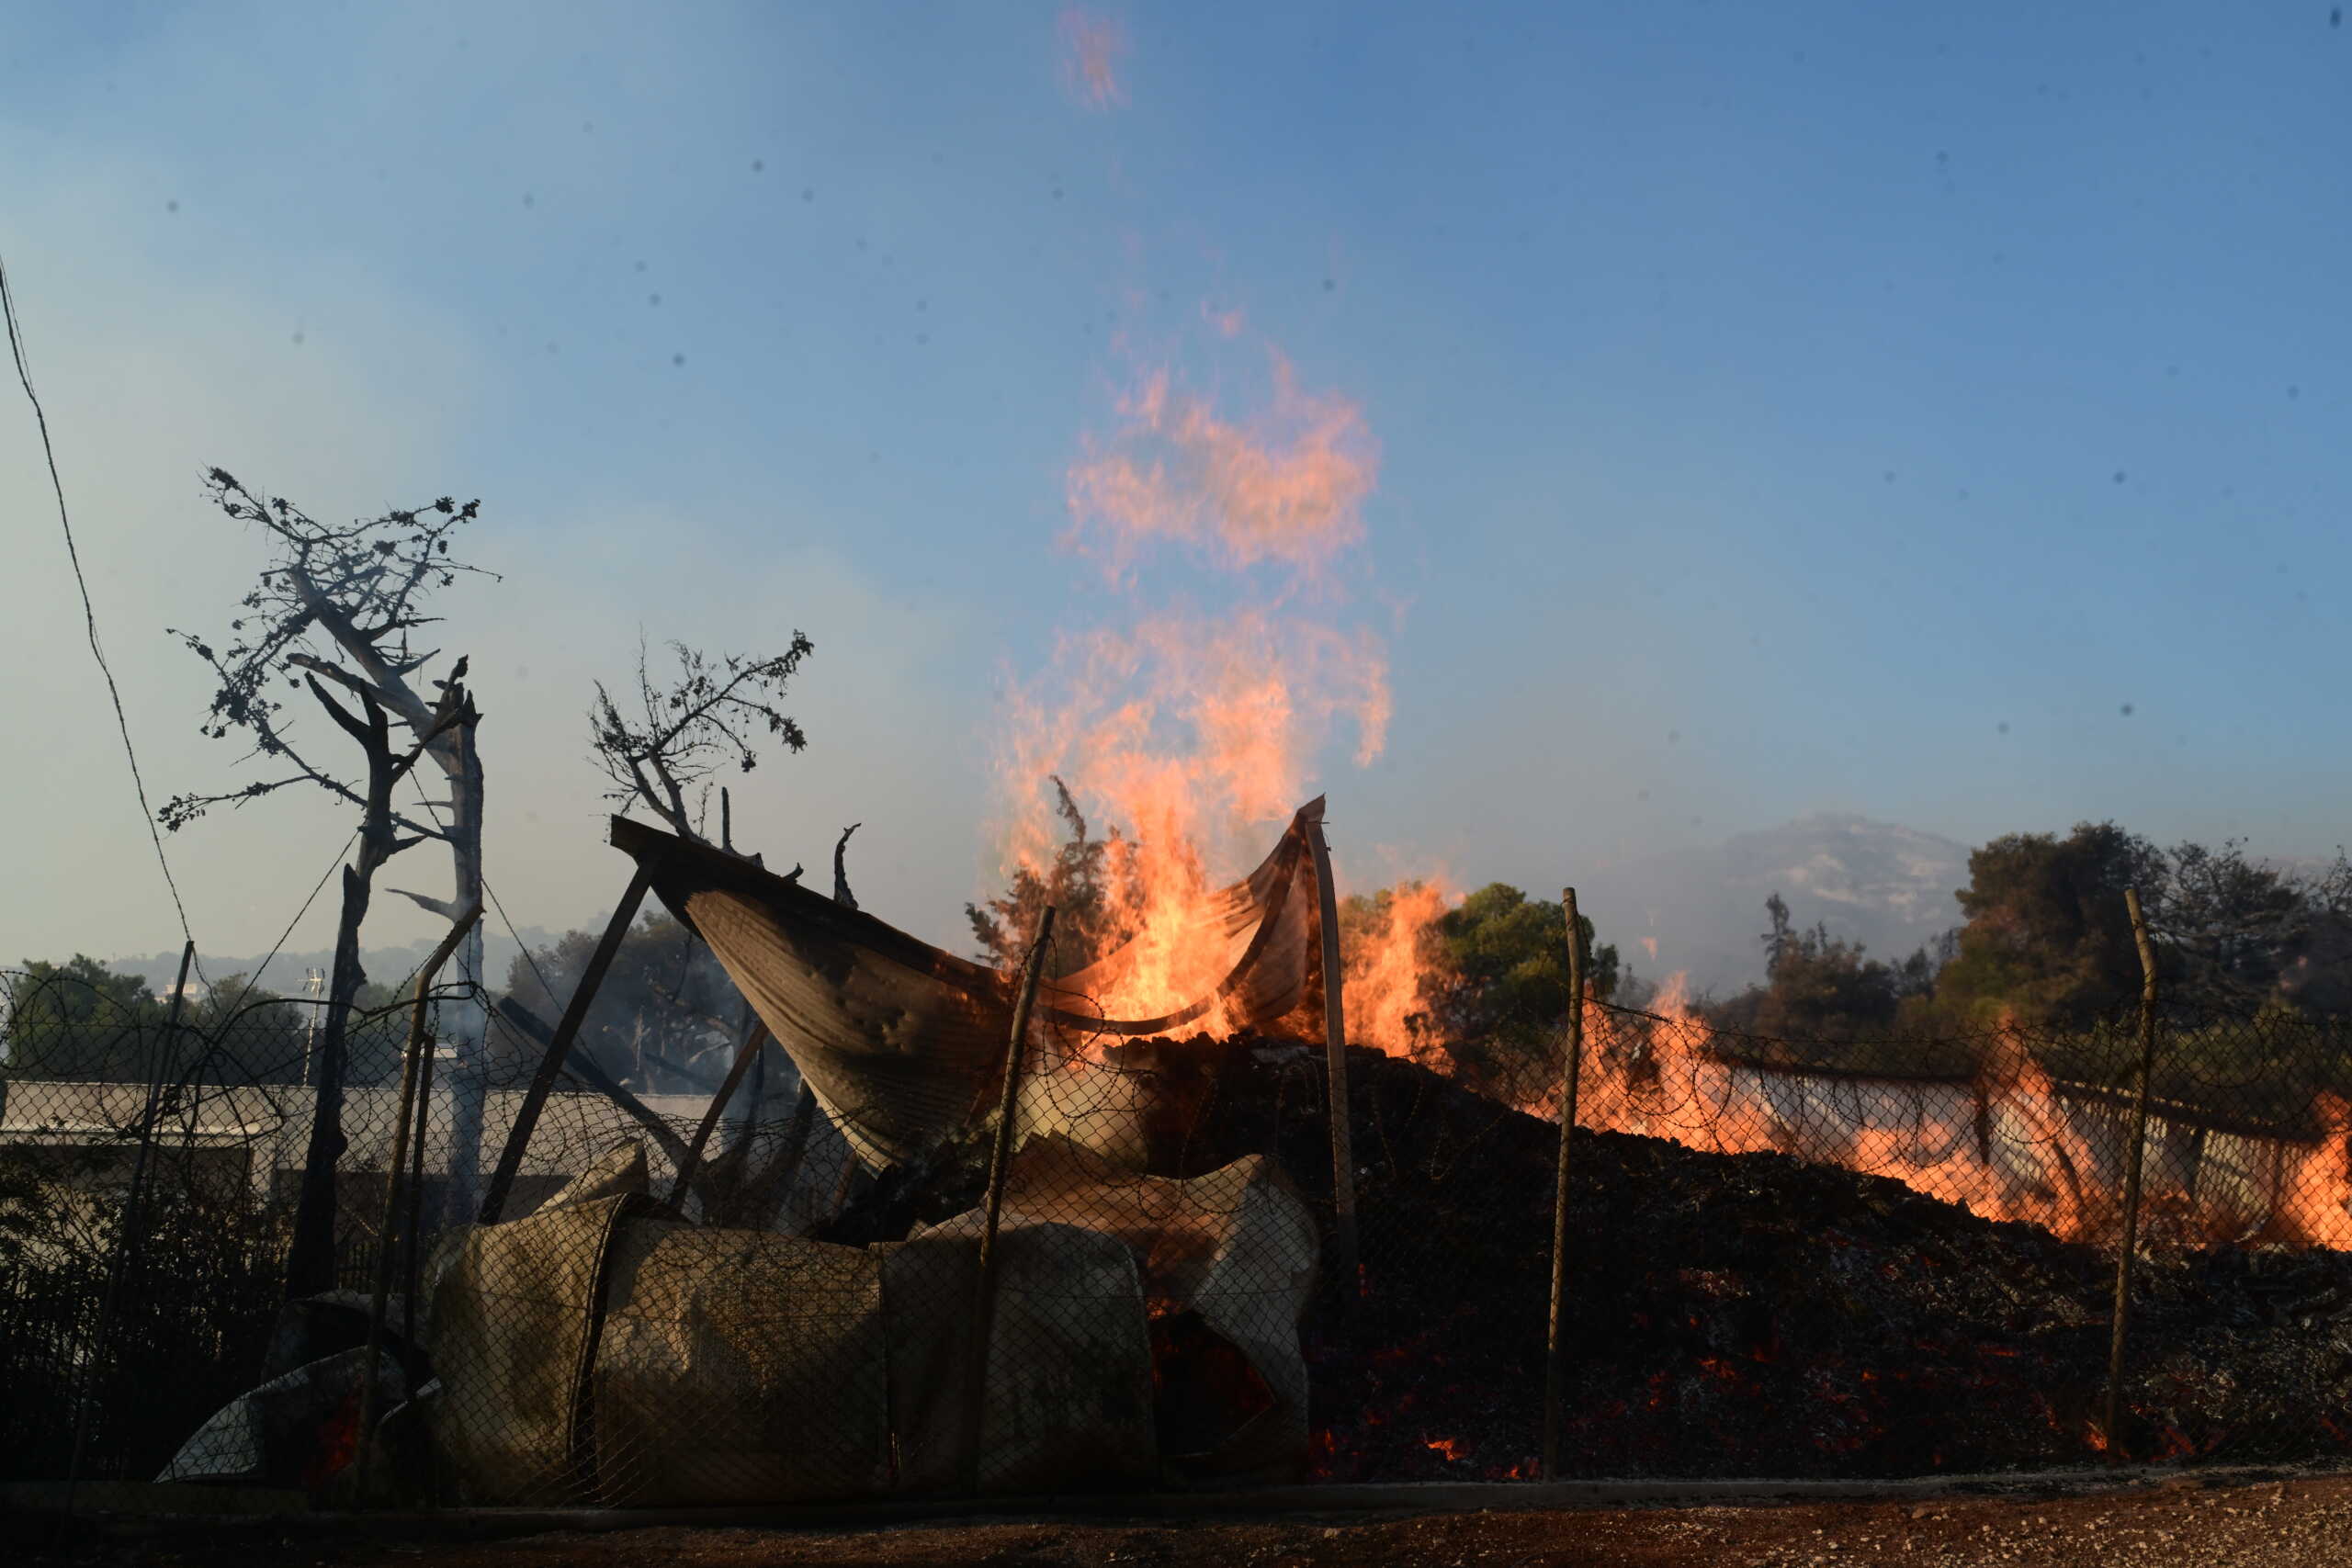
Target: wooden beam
584 1069
575 1013
754 1042
1555 1342
2128 1244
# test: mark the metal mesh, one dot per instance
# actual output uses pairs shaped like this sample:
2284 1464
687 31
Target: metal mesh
1783 1257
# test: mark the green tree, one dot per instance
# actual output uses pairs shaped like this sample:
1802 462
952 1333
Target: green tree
1820 987
665 1018
2315 969
2229 925
2047 940
1495 967
255 1035
79 1022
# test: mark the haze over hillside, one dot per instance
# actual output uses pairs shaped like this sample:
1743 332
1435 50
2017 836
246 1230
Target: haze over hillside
1881 884
387 964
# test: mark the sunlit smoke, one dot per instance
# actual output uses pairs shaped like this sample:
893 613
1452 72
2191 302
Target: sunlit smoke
1226 323
1091 50
1287 488
1197 732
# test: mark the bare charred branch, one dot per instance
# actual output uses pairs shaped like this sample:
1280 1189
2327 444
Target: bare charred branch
710 715
441 907
841 894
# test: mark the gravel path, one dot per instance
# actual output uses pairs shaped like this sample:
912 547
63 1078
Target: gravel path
2300 1523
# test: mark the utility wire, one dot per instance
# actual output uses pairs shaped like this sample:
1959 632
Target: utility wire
89 614
305 910
192 1078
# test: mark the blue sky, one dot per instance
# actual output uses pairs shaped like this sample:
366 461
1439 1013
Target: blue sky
1771 402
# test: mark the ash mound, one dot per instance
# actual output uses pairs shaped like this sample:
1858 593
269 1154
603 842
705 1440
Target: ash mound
1727 1315
1754 1315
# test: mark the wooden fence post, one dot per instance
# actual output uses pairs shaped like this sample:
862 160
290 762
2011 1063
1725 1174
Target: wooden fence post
1000 1167
1335 1059
1555 1344
2134 1158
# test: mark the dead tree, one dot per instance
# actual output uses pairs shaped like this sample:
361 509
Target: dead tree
336 612
711 714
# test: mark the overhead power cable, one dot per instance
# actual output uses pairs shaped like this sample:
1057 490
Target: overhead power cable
89 614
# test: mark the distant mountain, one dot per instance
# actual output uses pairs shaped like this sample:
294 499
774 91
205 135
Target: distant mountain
1887 886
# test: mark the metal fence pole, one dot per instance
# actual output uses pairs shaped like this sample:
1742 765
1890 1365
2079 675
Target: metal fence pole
999 1168
2133 1158
126 1244
370 1381
1555 1344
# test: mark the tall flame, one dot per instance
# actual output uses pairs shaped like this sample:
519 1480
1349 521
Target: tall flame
1090 47
2004 1148
1287 488
1194 732
1388 972
2318 1191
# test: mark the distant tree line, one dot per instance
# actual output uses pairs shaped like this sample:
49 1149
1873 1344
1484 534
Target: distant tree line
2044 941
81 1022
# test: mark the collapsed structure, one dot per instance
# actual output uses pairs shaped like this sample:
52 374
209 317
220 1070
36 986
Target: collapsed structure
1731 1310
904 1043
1143 1318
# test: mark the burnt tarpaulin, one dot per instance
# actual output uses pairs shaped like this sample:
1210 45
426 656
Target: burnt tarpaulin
1228 1263
602 1350
902 1043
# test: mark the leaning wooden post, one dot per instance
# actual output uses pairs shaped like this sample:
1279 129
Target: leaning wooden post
412 1227
575 1013
755 1040
1000 1167
1555 1344
370 1380
2133 1158
1335 1056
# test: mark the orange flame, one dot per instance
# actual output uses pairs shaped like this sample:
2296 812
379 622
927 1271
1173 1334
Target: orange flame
2004 1148
1287 488
1196 733
1387 972
2317 1200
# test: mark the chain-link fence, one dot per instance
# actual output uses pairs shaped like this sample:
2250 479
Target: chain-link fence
1862 1256
1782 1257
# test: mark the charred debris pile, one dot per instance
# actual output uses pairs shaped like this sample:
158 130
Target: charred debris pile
1728 1315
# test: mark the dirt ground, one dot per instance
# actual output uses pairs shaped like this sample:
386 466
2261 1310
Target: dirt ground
2296 1523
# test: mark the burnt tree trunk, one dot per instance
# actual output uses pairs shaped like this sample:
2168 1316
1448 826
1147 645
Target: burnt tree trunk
468 1028
310 1260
